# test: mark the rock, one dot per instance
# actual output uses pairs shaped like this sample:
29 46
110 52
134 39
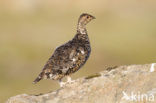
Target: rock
124 84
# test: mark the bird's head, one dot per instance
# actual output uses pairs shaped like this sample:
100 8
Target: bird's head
85 18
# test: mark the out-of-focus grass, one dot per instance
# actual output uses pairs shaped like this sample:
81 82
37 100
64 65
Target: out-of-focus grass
27 40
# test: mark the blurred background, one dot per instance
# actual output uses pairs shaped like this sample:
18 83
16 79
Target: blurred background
123 33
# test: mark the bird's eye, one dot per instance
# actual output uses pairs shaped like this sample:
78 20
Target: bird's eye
87 17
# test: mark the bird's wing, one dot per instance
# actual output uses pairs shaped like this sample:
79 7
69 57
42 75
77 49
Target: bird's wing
66 59
63 56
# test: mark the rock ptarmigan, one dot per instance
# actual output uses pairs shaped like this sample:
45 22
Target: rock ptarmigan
69 57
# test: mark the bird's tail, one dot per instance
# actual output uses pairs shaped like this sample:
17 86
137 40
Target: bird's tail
38 78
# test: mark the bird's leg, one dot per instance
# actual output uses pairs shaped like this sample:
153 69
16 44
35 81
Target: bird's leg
61 83
69 80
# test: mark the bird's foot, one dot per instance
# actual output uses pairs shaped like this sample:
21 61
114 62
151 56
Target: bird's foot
69 80
61 83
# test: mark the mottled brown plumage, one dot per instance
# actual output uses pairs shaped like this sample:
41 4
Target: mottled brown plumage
71 56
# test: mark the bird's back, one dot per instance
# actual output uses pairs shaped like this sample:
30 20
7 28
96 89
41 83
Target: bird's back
69 57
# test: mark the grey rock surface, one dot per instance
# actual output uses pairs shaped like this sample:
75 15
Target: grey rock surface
124 84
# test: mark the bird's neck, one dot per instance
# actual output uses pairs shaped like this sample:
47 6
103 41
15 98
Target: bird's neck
81 34
81 28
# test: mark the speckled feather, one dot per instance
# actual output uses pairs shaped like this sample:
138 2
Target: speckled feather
69 57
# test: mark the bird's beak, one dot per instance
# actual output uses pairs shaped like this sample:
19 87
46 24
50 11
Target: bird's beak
93 17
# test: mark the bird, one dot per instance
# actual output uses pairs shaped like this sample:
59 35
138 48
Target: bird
69 57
